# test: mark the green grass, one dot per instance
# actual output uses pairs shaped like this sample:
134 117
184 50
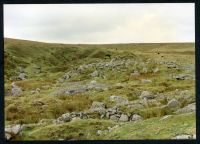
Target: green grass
153 128
56 59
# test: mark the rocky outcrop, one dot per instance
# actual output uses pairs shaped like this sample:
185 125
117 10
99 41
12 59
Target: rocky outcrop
147 95
187 109
185 136
124 118
16 91
36 91
135 74
135 117
22 76
99 107
173 104
119 100
11 131
67 117
183 77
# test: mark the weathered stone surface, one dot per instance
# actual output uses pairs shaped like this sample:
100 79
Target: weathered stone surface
123 118
36 91
97 86
95 74
16 91
183 77
187 109
66 117
173 103
114 117
22 76
98 107
12 130
119 100
184 136
136 117
147 95
135 74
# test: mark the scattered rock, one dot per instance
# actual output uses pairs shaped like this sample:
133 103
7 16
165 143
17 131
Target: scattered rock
146 94
173 103
183 77
144 81
156 70
16 91
112 111
97 86
12 130
95 74
98 107
114 117
123 118
22 76
135 74
119 100
187 109
184 136
136 117
99 132
36 91
65 117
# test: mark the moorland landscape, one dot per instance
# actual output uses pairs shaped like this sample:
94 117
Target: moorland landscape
99 91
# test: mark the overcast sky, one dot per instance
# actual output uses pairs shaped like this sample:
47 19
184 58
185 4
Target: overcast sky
101 23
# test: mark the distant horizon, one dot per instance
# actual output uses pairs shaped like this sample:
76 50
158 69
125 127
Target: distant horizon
94 43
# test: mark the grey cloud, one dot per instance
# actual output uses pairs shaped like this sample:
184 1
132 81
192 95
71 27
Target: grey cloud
108 23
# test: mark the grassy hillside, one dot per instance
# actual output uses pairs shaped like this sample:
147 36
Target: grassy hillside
71 77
